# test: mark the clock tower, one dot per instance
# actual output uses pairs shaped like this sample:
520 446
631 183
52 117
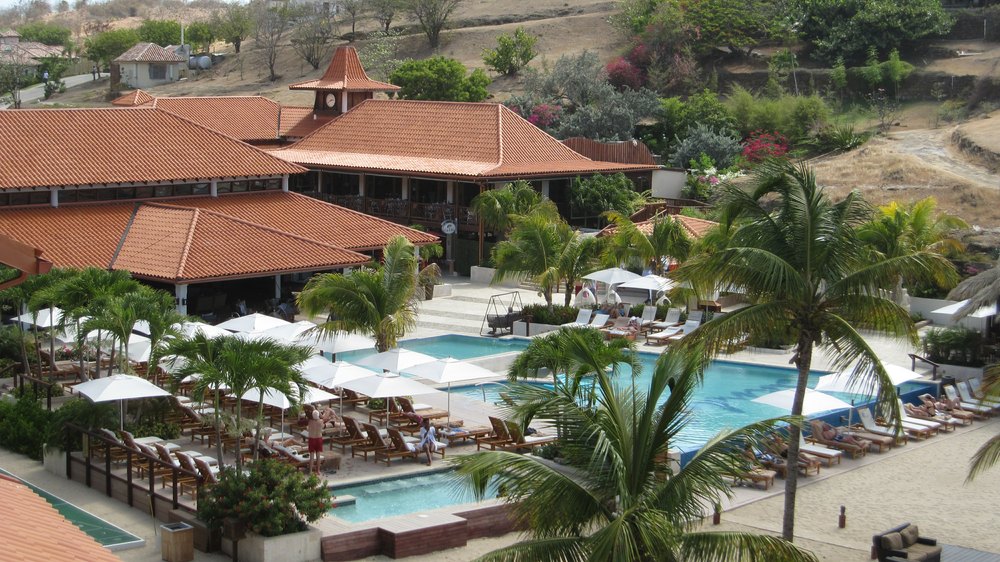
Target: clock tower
344 85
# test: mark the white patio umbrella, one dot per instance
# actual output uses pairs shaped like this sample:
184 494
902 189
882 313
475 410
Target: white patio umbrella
120 388
612 276
649 283
449 370
252 323
303 332
842 382
189 329
332 374
815 401
44 318
282 401
142 327
388 385
395 360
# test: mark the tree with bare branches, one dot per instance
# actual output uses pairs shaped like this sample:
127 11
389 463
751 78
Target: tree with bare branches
433 16
272 24
313 40
384 11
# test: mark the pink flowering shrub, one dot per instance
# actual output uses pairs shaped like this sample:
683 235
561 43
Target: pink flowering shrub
545 115
761 145
624 74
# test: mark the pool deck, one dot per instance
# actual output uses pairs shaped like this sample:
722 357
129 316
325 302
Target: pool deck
880 490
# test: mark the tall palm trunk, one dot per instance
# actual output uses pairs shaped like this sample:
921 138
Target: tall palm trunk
218 428
52 339
38 345
239 441
260 421
803 362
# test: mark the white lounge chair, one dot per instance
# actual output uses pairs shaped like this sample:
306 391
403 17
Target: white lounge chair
820 451
868 422
648 317
908 419
975 407
976 392
662 336
673 318
582 319
599 320
686 329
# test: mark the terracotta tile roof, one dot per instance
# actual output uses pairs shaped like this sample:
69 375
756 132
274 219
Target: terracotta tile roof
297 122
34 530
625 152
68 147
345 73
694 227
444 138
312 218
8 32
149 52
178 243
138 97
36 50
247 118
234 235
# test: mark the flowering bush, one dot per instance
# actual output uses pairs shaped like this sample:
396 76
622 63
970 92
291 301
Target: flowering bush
703 176
272 498
761 145
545 115
623 74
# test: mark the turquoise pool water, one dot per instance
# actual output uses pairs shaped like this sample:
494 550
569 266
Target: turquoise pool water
402 496
459 347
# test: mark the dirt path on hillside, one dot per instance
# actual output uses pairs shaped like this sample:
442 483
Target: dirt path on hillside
934 148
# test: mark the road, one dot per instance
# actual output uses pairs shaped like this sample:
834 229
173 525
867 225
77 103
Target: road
32 94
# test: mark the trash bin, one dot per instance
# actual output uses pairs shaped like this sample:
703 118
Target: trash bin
177 542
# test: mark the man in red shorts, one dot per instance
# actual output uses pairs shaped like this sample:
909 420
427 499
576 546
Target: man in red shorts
315 431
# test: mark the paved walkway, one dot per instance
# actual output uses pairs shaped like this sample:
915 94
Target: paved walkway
31 95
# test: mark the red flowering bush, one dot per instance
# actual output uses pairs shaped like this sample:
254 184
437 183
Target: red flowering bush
761 145
272 498
623 74
544 115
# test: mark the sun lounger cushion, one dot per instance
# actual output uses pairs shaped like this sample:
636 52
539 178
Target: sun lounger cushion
892 541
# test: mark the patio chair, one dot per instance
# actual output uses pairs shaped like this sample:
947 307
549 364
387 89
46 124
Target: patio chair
820 451
647 318
400 449
408 407
945 420
907 419
621 328
975 388
582 319
754 473
353 436
661 337
286 455
599 320
518 440
353 398
686 329
499 436
775 458
190 475
673 318
966 396
855 450
951 391
209 477
373 444
916 428
880 436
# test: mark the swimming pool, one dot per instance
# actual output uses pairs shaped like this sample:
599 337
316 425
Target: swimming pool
724 400
451 345
402 496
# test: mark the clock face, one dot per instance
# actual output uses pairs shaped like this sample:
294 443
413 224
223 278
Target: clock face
331 101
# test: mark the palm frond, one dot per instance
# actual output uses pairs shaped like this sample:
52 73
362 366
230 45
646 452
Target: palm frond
986 457
748 547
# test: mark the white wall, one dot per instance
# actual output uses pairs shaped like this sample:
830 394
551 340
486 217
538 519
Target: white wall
667 184
925 308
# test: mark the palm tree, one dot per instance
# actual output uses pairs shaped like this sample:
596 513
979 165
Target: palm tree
631 246
618 500
118 316
42 297
164 323
899 230
378 301
533 249
578 257
497 208
988 455
274 370
799 258
83 294
203 356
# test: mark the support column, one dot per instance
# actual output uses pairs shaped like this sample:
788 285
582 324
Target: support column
343 101
545 189
361 185
284 183
213 188
405 190
277 287
319 181
482 230
181 298
54 198
450 192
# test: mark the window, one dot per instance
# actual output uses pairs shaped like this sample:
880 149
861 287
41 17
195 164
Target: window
201 189
224 187
240 186
183 189
157 72
144 192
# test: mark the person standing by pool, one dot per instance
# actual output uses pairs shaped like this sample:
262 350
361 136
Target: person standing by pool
315 432
428 439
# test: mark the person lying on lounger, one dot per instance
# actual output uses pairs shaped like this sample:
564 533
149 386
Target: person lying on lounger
934 407
831 433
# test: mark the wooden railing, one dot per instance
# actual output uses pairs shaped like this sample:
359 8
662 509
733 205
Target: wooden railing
934 366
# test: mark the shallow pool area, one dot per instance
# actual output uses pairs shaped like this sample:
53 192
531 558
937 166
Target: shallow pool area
403 496
451 345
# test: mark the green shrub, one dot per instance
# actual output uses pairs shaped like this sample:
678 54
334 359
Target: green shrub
512 52
792 116
839 137
272 498
83 413
721 147
146 428
956 345
556 315
22 425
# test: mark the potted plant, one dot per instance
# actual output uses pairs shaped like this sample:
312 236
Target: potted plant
274 503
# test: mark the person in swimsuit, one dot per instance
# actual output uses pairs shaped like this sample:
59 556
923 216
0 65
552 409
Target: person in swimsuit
315 432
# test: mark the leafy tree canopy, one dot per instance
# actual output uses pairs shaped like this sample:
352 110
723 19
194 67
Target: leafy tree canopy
440 78
512 53
599 193
161 32
200 34
849 28
46 33
738 24
105 47
233 24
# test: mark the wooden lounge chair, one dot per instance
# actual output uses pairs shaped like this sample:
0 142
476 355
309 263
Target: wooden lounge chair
518 440
582 319
406 407
647 318
820 451
871 427
354 435
775 458
673 318
373 444
353 398
967 398
904 413
947 422
400 449
621 328
209 477
756 476
286 455
499 436
978 410
599 320
817 437
975 388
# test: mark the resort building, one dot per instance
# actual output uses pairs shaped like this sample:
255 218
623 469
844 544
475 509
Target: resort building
176 204
145 65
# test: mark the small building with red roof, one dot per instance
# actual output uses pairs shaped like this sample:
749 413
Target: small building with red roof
146 65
